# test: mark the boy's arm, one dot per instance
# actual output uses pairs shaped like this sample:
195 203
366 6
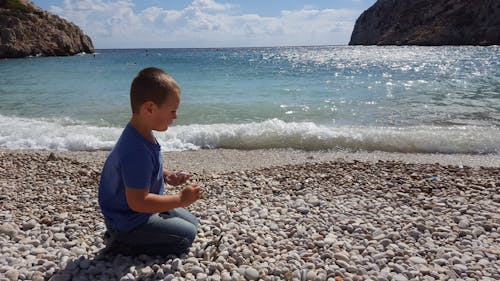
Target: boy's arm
141 201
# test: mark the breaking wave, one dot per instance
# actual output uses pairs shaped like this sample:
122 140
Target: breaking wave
23 133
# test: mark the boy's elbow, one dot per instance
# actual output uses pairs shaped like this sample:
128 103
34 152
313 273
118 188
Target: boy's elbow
135 199
135 206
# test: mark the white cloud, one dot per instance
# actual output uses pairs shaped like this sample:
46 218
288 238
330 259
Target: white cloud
211 5
204 23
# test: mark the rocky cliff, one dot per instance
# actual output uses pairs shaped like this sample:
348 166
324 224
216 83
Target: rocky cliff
429 22
28 30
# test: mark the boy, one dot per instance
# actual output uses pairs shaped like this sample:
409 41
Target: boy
139 218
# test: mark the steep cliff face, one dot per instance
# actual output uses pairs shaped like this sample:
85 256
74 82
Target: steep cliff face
27 30
429 22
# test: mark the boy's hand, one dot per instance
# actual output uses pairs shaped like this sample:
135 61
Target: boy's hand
190 194
175 178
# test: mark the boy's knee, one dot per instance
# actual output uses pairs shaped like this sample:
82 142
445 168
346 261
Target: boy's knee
190 233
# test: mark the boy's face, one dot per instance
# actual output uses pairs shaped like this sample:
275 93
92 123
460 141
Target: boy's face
165 114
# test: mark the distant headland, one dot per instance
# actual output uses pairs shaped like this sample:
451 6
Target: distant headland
429 23
26 30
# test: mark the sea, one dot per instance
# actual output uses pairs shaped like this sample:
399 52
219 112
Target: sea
405 99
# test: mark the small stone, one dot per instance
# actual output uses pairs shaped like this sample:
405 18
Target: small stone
263 213
477 231
303 210
201 276
225 276
386 242
399 277
459 268
146 272
12 274
397 268
311 275
246 253
464 223
417 260
37 276
330 239
378 235
128 277
177 264
196 269
342 263
352 269
29 224
159 274
421 227
60 237
440 262
52 157
169 277
37 251
415 234
251 273
8 229
341 256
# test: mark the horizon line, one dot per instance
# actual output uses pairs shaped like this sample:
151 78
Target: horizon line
227 47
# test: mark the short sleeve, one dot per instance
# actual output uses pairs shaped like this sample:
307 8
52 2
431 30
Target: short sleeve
136 168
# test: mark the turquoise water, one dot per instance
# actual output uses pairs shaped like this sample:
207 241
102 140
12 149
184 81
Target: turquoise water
406 99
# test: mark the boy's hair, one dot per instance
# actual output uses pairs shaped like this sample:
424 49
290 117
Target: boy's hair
152 84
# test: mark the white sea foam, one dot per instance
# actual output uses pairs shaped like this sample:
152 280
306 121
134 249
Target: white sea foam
22 133
305 135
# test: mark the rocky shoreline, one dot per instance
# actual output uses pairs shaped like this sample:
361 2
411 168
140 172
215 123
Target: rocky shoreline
27 30
428 23
313 219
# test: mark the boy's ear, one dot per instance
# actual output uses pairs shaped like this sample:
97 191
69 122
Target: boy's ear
148 106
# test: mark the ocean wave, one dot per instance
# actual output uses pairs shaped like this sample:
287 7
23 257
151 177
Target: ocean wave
22 133
276 133
54 134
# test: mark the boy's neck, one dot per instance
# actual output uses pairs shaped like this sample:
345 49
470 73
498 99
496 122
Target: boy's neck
142 128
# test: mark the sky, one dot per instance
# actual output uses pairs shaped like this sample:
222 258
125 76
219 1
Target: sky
211 23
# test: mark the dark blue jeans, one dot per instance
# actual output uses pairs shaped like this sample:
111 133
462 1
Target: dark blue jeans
171 232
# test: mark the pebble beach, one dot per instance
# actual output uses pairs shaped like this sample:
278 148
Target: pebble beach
265 215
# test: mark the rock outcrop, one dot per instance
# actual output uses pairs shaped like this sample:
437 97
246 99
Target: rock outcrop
26 30
429 23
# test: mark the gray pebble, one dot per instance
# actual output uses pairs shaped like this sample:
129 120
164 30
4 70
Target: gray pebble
195 270
399 277
417 260
176 264
342 263
225 276
29 224
251 273
303 210
460 267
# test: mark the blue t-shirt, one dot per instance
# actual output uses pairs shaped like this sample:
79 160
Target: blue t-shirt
134 162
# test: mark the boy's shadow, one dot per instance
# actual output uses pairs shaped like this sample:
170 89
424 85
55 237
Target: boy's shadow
110 266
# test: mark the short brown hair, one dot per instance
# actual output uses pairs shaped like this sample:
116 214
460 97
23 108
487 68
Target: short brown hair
152 84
